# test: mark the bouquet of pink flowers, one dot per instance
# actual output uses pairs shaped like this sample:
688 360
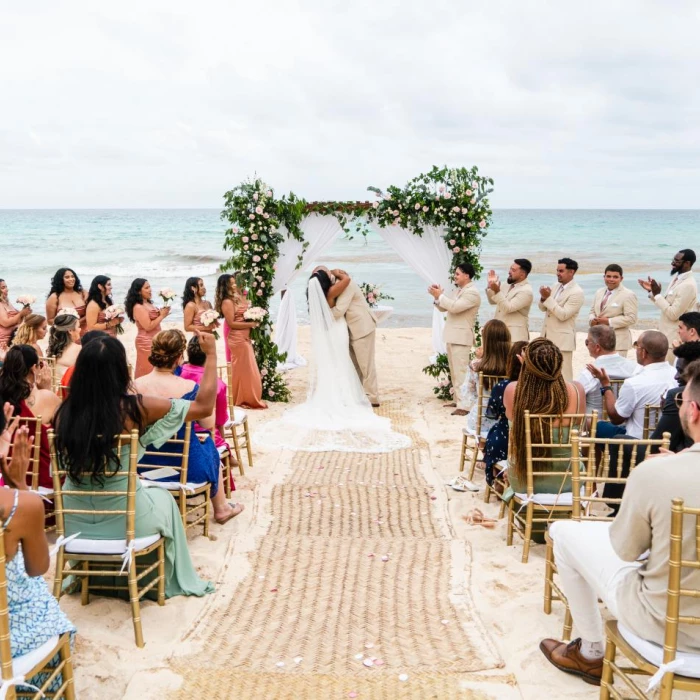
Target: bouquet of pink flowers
116 311
254 313
26 300
209 318
167 295
372 293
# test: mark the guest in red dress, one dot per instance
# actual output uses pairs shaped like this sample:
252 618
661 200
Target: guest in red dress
246 382
66 293
10 318
99 298
147 317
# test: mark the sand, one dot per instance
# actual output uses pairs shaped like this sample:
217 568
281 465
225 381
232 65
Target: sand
507 593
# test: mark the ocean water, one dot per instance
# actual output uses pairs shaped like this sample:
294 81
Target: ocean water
168 245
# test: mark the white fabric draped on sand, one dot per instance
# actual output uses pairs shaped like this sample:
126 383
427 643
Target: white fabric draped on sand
429 256
319 232
336 416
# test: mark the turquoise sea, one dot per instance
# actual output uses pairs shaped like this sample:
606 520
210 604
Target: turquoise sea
168 245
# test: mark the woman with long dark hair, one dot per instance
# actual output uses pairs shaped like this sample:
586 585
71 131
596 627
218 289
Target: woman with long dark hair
147 316
31 331
64 341
66 293
25 383
10 318
100 405
246 387
194 305
99 298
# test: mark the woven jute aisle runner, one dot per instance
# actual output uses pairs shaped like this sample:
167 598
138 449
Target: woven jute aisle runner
356 590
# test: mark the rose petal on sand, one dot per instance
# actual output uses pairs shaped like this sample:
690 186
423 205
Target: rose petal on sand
368 662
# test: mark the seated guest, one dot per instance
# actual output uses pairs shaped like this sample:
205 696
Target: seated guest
670 421
67 375
25 383
541 388
33 612
601 347
100 405
496 448
688 328
648 386
204 464
600 560
492 360
31 331
64 341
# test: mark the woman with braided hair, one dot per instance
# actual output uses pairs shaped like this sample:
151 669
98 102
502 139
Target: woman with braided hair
541 388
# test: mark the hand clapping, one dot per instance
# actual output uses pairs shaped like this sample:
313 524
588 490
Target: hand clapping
545 292
435 290
650 285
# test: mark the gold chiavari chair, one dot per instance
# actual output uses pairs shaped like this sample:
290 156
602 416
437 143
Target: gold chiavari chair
237 429
472 440
114 558
664 664
39 660
652 413
55 379
597 483
193 510
541 460
616 385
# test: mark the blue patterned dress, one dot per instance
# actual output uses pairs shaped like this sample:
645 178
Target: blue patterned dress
34 613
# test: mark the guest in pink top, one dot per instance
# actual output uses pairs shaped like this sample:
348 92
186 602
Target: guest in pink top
10 318
66 293
99 298
147 317
194 305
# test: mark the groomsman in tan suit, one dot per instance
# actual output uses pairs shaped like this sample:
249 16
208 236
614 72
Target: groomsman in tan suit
616 306
681 296
361 328
513 304
561 306
461 310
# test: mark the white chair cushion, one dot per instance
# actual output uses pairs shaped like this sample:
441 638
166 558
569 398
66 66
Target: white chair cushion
469 432
85 546
175 485
221 449
548 499
239 417
22 665
654 653
45 491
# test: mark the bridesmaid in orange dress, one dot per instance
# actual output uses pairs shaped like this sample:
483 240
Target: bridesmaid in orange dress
99 298
10 318
147 317
66 293
246 385
194 305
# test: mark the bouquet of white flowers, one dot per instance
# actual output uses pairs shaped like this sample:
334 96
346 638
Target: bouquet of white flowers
167 295
209 318
254 313
26 300
67 311
116 311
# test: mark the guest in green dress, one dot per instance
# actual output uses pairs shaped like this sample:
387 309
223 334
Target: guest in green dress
99 406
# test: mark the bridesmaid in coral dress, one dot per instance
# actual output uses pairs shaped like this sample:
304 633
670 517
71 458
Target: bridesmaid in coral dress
99 298
10 318
67 293
194 305
246 384
147 317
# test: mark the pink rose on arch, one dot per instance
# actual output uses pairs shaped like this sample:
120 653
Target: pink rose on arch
245 247
475 184
268 193
442 188
235 229
375 205
274 267
255 196
465 210
468 193
455 249
259 292
266 215
245 239
263 372
417 206
482 224
258 210
256 258
455 209
396 222
258 277
271 393
265 256
470 225
465 249
255 236
251 217
453 242
447 195
425 208
262 284
473 200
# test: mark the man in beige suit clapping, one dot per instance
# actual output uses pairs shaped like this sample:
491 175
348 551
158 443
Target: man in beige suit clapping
561 306
616 306
513 303
461 310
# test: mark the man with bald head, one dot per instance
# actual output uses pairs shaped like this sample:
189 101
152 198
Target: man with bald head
646 387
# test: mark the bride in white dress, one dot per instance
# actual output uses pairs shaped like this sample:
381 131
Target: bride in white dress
336 416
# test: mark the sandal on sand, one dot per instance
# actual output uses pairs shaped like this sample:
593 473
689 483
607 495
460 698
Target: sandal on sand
238 508
476 517
461 483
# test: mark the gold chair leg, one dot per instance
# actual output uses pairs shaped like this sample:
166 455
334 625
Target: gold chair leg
182 503
85 584
509 528
502 510
606 679
135 604
161 573
528 534
248 446
568 623
236 445
226 471
207 512
548 576
58 574
464 452
487 492
67 671
473 460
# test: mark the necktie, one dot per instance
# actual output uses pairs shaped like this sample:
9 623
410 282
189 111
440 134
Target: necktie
558 292
605 300
673 283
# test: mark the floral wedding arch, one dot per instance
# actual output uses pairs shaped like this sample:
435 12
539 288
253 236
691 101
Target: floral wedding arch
434 222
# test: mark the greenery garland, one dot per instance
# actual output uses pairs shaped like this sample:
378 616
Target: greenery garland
454 198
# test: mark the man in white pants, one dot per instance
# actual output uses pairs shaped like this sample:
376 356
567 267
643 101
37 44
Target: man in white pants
601 560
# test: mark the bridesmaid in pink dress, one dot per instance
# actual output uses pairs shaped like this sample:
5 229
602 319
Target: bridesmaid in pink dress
10 318
194 305
99 298
147 317
66 293
246 385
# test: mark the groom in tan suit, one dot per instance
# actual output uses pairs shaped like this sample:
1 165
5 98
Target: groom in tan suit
616 306
361 327
461 310
561 306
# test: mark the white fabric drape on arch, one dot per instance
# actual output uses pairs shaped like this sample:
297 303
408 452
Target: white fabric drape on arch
429 256
320 232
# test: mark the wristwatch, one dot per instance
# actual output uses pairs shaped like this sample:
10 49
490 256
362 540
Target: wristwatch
603 389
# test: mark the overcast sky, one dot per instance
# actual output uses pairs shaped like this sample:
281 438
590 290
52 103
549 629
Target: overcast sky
169 104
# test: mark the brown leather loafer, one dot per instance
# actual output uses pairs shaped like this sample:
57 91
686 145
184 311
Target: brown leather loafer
567 657
459 412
